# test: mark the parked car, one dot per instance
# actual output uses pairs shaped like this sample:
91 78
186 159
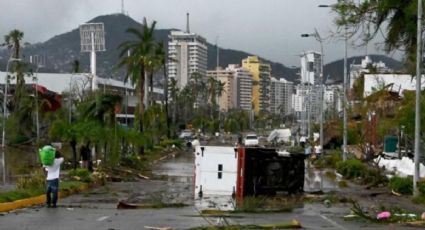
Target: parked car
186 135
250 140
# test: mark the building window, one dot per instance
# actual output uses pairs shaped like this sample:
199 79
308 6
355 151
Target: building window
220 171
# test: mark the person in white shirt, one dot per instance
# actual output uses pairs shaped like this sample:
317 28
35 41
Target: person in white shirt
52 180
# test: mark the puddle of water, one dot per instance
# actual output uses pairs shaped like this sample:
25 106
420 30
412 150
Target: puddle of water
317 180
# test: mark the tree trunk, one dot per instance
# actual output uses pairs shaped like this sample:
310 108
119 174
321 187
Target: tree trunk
73 144
142 106
145 90
166 100
151 94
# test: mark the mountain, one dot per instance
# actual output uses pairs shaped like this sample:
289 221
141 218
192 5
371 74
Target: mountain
61 50
335 70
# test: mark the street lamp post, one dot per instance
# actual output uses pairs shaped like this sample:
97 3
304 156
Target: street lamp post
37 120
344 132
322 82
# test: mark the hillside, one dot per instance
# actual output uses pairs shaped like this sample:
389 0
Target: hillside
61 50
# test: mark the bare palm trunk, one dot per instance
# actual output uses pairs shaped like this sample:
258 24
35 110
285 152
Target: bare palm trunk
142 107
166 100
146 90
151 94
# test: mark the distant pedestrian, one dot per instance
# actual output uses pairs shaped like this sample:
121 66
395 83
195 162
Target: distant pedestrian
52 178
308 150
85 155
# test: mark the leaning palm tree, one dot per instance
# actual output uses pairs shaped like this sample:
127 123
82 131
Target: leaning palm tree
140 53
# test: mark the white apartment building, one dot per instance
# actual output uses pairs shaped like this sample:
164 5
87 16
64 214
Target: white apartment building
306 104
364 67
242 88
187 55
237 87
281 96
311 64
332 101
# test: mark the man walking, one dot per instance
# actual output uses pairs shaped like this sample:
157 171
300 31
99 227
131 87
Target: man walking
52 178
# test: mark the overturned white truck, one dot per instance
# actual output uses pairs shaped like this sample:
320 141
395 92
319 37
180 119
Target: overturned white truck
246 171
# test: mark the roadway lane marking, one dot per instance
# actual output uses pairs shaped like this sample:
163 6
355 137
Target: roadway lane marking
335 224
102 218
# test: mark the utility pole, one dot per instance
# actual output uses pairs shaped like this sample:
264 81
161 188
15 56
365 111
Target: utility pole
344 146
418 99
345 101
322 83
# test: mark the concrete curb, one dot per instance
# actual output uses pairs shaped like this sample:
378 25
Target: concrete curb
23 203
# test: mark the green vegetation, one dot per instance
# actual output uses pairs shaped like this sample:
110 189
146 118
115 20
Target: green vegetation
355 169
404 185
34 183
70 186
264 204
19 194
82 175
329 160
398 215
351 168
294 224
35 186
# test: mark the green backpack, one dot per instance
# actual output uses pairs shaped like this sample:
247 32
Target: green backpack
47 155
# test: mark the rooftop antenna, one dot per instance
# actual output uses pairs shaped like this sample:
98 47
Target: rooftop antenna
122 7
187 23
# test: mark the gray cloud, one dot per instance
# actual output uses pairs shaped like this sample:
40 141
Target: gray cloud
270 28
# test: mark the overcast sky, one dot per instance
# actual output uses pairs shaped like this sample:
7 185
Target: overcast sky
269 28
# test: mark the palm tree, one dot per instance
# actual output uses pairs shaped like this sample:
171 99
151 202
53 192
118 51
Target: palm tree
162 59
137 62
155 64
174 92
76 66
13 41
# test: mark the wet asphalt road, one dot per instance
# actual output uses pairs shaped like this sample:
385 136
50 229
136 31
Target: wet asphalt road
96 209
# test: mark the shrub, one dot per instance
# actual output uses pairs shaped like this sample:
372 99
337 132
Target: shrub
133 161
34 183
83 175
402 185
166 143
352 168
251 204
329 160
373 176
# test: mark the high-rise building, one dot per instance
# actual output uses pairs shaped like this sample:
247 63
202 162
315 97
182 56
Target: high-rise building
261 77
242 88
281 96
332 106
237 85
306 104
187 55
311 64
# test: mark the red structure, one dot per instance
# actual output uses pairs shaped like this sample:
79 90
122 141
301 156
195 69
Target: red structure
53 99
